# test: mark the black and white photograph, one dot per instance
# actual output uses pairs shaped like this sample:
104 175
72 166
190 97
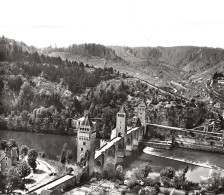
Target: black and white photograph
112 97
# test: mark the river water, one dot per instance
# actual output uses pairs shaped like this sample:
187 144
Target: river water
50 144
178 158
159 159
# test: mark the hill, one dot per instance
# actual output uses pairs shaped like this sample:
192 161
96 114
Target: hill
42 91
184 69
30 81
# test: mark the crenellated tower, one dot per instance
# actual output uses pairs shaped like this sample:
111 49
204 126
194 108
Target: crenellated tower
121 122
121 125
86 138
141 113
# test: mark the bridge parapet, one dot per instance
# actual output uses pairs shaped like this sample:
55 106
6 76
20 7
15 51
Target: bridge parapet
134 135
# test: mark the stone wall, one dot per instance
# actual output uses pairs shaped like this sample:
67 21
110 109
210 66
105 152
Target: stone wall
203 148
62 186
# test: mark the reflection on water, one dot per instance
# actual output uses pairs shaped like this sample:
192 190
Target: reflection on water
50 144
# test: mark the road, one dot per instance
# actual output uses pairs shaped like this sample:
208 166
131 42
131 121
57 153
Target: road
213 92
161 90
41 176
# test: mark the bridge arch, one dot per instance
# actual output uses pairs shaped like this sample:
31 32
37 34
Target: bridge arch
111 151
100 161
120 146
129 141
135 134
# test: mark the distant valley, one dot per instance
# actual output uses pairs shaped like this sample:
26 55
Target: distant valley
186 68
42 89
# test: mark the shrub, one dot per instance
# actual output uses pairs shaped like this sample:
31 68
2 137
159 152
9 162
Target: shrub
168 172
151 182
119 173
24 150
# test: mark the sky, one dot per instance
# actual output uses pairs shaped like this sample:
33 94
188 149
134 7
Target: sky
114 22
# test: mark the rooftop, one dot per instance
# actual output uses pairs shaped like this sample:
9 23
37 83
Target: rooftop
2 155
87 121
122 110
142 104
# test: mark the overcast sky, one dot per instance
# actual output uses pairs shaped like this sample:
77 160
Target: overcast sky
114 22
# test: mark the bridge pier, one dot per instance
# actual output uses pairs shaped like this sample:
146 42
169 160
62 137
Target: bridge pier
135 138
135 142
99 163
129 145
111 154
121 148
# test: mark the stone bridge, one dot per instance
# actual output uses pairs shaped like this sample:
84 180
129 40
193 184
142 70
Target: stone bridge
116 147
123 138
90 160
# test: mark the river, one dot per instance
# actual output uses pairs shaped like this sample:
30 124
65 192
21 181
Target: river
178 158
50 144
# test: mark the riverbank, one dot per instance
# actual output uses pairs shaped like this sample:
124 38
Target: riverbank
70 133
191 158
197 147
149 150
52 145
42 174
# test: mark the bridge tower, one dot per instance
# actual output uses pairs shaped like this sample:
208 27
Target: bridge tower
86 141
121 127
141 113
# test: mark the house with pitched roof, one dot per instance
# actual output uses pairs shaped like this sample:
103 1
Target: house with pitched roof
8 158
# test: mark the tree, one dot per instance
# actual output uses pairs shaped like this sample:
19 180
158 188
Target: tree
15 182
214 183
23 169
33 164
69 156
184 173
12 172
120 173
3 123
3 144
146 168
138 174
24 118
32 156
63 153
24 150
3 182
13 144
179 180
168 172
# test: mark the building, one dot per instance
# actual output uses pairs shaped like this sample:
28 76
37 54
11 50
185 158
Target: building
86 137
8 159
121 122
141 112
